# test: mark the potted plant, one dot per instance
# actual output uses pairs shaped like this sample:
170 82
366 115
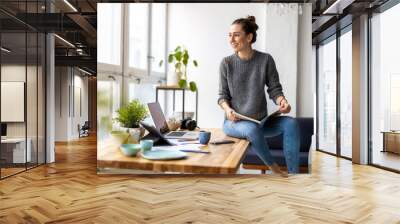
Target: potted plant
130 116
180 58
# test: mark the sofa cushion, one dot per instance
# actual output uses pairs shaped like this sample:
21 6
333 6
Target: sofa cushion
252 158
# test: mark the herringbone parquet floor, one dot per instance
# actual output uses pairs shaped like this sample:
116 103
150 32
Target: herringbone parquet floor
69 191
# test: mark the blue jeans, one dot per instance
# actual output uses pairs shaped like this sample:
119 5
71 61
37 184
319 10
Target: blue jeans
256 134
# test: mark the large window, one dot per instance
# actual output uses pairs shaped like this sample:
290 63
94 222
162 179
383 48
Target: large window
158 37
147 38
346 94
138 35
385 87
335 137
109 33
108 102
327 96
131 43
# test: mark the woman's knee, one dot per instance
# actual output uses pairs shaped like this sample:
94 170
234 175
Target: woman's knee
230 129
242 129
290 124
252 131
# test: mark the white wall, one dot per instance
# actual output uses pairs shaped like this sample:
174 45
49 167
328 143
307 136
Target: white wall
80 83
306 66
204 31
282 29
68 83
61 103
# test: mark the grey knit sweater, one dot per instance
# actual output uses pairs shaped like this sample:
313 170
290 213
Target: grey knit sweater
242 83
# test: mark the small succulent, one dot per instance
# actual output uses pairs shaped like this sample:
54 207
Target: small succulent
132 114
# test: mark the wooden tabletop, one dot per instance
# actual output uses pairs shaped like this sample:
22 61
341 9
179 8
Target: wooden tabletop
222 159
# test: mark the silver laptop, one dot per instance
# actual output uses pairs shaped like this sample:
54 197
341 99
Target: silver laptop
161 124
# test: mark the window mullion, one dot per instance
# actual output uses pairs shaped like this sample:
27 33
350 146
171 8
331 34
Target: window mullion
149 39
338 73
124 51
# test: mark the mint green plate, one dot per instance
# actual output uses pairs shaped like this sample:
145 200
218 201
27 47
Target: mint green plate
163 155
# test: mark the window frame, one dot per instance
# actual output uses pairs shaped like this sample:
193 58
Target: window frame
111 68
149 74
371 14
334 37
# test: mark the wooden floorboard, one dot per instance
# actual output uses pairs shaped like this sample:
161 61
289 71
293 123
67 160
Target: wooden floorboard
386 159
70 191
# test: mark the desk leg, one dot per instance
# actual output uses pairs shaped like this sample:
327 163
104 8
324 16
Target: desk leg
173 101
156 95
197 106
183 104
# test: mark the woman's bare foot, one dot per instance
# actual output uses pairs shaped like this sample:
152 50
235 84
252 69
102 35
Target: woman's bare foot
276 170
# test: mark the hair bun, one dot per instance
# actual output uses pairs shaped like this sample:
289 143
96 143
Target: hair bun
251 19
248 25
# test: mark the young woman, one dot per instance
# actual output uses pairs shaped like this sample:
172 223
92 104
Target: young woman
243 77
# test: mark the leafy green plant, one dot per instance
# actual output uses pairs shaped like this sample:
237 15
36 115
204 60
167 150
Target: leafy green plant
180 57
130 115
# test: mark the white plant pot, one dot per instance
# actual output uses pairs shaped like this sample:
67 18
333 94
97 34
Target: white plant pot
135 134
172 79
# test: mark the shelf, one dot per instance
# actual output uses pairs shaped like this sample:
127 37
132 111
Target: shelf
177 88
165 87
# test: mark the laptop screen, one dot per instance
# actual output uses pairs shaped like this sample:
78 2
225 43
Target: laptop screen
158 117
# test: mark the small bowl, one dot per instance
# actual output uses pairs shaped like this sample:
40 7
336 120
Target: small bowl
146 145
120 137
130 149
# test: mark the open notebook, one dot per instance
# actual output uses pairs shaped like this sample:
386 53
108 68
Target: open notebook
260 122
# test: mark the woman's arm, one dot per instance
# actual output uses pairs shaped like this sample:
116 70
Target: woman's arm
224 93
272 80
274 86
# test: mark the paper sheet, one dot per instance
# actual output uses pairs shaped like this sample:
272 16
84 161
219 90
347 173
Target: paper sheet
180 147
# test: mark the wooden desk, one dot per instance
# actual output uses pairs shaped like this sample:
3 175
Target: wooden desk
13 150
223 159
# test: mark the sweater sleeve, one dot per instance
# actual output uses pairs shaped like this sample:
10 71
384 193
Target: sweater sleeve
272 80
224 93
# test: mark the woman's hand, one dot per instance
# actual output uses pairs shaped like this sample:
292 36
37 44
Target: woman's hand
284 106
230 115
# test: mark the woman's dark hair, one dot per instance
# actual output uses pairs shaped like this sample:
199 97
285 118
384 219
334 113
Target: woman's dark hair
249 25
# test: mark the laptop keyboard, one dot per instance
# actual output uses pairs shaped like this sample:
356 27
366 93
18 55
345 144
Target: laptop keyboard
177 133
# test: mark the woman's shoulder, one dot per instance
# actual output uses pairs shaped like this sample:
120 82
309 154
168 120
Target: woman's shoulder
228 59
263 55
